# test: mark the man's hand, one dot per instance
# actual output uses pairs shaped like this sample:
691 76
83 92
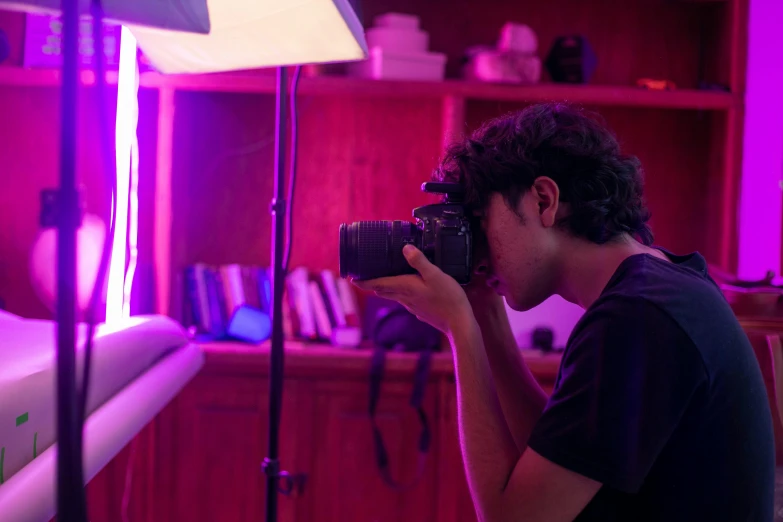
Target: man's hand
432 296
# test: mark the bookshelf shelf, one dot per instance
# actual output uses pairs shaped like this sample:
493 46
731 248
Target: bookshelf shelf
598 95
304 358
603 95
22 77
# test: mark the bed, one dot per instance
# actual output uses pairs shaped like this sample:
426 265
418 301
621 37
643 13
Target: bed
137 368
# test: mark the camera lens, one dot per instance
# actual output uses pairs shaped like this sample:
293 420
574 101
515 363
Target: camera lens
370 249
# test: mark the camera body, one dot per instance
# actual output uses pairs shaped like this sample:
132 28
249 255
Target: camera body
442 231
447 238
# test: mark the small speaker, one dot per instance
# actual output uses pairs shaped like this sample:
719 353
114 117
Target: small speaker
571 60
249 324
542 339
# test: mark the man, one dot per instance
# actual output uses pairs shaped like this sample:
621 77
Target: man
659 411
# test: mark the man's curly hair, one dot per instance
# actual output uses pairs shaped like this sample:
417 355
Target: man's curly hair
602 186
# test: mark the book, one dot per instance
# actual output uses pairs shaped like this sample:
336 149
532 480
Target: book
317 306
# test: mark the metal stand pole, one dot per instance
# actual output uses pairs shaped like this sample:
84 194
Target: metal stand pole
71 502
271 465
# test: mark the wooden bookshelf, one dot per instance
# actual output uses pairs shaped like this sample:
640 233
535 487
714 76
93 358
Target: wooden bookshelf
353 132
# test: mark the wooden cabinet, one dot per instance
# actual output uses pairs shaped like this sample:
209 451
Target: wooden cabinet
346 484
457 504
216 448
199 459
204 451
211 443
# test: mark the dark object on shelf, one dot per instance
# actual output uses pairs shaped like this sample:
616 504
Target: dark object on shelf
708 86
5 47
442 231
571 60
392 327
542 339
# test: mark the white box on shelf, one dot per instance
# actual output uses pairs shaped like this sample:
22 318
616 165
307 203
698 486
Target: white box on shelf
397 20
386 65
398 40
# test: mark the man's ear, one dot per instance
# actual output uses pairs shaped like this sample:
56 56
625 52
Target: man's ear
547 198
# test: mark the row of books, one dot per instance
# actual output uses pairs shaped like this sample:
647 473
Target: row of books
317 306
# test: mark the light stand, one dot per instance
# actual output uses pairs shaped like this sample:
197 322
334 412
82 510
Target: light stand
343 40
71 502
271 464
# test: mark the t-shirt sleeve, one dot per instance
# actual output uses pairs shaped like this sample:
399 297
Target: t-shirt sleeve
627 377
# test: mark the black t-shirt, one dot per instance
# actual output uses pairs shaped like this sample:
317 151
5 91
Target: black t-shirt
660 398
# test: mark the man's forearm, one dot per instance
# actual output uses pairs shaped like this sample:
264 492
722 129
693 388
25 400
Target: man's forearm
488 448
520 395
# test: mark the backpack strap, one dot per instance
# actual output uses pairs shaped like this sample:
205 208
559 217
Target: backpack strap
421 376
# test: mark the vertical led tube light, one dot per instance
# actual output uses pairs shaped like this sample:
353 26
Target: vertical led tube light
125 139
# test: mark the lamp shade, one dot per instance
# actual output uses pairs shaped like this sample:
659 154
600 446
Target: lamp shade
249 34
175 15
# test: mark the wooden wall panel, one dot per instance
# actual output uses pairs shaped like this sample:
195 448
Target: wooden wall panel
346 483
673 147
359 158
29 152
221 178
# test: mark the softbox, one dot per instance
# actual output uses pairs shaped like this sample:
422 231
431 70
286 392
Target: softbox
175 15
249 34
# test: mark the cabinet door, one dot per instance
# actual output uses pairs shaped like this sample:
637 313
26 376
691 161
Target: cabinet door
345 483
123 489
212 447
455 503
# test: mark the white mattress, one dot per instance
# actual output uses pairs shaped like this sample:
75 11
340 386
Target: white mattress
137 367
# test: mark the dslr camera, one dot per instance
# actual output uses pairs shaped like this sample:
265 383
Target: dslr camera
442 231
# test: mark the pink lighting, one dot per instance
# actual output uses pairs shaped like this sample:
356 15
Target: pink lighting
761 198
126 228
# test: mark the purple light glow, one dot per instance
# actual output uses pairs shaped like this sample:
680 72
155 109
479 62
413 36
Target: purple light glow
761 202
126 145
133 225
